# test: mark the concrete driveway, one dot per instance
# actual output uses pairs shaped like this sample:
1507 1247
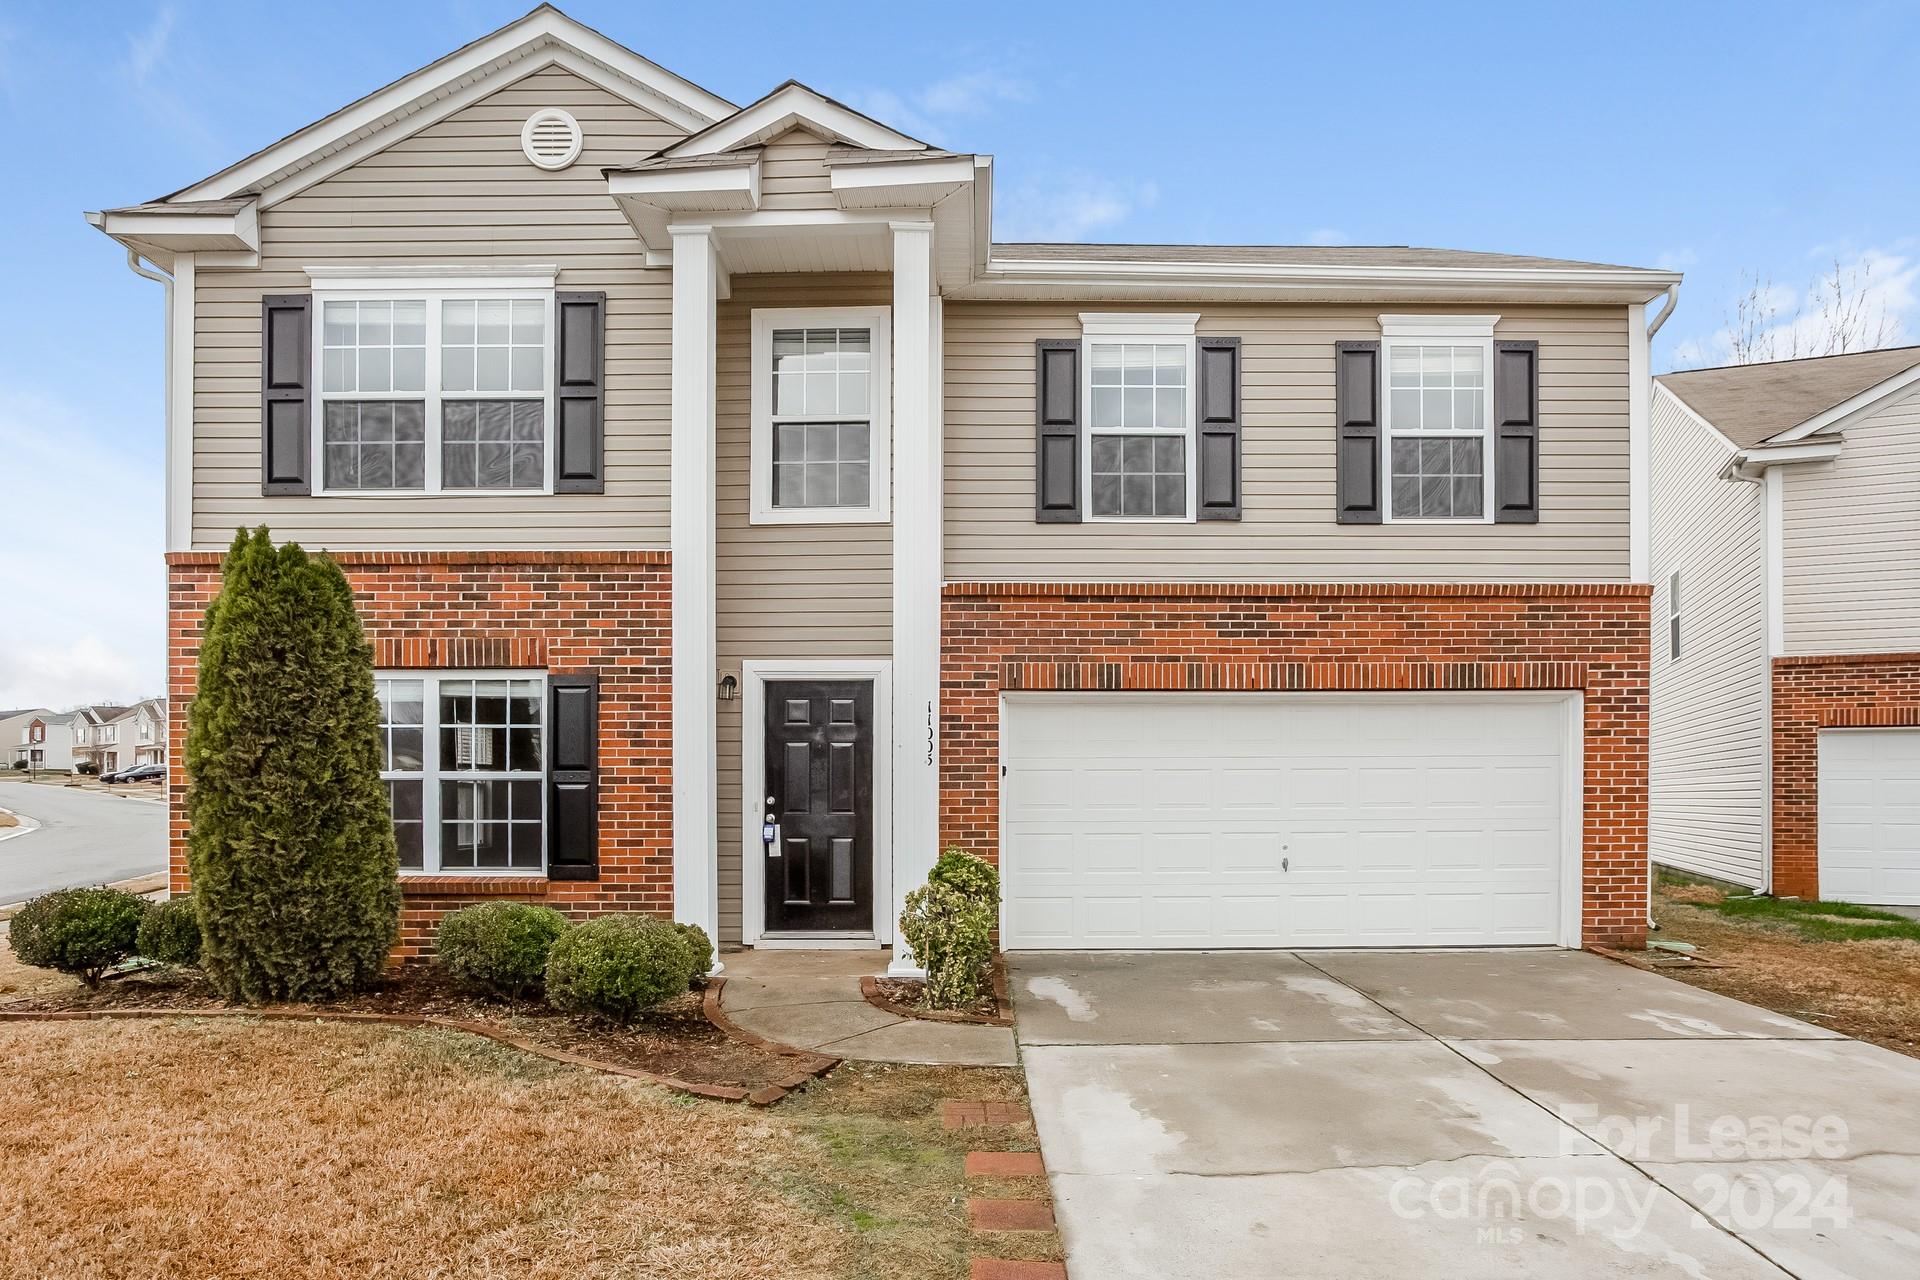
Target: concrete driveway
1455 1114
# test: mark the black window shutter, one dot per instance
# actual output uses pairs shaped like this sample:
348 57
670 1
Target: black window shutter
1056 497
286 394
573 782
1356 395
580 392
1516 432
1219 429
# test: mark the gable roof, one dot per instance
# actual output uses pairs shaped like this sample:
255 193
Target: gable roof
1752 403
793 105
542 37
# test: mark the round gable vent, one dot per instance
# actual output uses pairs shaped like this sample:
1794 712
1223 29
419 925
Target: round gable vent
551 138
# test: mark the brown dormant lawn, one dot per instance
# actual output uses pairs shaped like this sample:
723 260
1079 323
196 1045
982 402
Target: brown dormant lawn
207 1147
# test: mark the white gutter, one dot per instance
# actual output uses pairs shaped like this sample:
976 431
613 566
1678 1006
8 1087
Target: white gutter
178 447
1666 312
1750 463
1039 270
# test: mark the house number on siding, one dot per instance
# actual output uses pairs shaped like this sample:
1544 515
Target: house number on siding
929 734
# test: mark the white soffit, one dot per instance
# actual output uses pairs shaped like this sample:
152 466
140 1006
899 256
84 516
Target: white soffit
545 37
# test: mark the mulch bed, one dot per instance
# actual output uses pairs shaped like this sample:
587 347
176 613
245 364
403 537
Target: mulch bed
908 998
675 1041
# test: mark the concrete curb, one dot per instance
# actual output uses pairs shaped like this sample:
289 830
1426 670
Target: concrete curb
142 885
26 824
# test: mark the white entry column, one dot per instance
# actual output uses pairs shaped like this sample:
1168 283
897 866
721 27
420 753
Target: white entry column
917 570
696 867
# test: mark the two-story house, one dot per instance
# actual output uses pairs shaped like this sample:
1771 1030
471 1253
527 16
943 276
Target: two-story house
735 521
1786 663
97 731
23 735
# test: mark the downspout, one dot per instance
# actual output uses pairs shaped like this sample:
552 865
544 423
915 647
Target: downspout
165 281
1653 327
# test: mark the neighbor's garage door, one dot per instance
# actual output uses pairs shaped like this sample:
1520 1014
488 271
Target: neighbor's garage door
1870 815
1156 821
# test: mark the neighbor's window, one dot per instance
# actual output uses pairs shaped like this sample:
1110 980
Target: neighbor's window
821 385
1139 416
1673 615
465 767
434 394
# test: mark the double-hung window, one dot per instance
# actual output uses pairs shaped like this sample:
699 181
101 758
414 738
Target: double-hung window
821 389
1138 406
1439 416
464 759
434 390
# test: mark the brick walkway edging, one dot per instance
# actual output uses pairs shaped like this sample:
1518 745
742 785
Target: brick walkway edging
810 1067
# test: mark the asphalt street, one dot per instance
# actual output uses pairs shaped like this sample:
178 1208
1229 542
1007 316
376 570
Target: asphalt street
84 837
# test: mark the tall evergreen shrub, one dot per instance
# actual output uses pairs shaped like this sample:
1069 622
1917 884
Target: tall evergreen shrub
290 842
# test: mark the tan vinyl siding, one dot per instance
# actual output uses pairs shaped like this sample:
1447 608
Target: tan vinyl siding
1288 530
784 591
1707 793
460 191
793 173
1851 529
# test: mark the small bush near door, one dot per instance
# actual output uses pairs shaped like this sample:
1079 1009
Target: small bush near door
617 966
84 932
499 948
948 923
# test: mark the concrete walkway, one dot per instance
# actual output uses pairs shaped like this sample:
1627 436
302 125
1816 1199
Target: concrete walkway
1528 1115
811 1000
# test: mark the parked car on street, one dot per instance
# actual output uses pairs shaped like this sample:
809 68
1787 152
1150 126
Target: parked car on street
139 773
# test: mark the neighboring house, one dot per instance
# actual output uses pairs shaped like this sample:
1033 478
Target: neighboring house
1786 663
734 523
97 740
141 733
20 736
42 738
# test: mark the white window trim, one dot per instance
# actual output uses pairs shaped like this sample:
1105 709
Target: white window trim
1673 616
434 288
879 322
1456 331
430 775
1147 327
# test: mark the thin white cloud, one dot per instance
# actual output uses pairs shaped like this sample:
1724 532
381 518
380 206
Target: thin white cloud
1855 300
147 49
929 111
1069 205
82 587
1676 259
1327 236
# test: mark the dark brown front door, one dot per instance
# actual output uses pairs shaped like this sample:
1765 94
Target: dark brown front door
819 805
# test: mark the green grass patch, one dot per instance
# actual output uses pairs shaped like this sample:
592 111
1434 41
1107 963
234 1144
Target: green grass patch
1820 921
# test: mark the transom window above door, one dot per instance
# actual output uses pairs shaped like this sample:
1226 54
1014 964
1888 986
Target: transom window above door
434 391
1138 399
821 387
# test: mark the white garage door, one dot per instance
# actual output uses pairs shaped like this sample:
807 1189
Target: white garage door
1870 815
1164 821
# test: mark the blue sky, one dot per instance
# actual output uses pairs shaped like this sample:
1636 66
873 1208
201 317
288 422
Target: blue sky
1729 141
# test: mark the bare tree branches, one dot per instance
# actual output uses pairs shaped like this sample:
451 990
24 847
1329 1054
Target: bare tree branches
1840 313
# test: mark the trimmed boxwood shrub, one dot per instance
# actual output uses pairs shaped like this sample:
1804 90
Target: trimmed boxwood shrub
170 932
84 932
290 844
499 948
699 946
617 966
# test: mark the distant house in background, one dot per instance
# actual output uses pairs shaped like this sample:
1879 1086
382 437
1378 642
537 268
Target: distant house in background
43 738
142 733
96 737
1785 737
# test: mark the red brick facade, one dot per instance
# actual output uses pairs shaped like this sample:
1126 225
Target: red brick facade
606 612
1829 691
1232 637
